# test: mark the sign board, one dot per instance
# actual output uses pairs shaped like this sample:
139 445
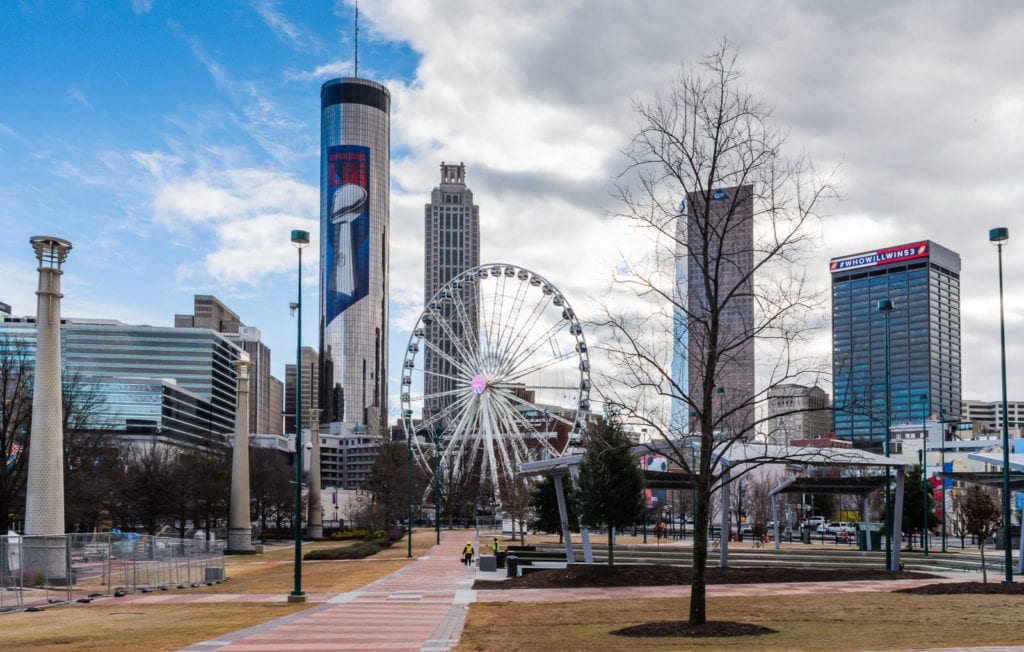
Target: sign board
888 256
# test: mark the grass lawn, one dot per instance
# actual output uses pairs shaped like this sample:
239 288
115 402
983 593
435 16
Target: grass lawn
834 622
134 627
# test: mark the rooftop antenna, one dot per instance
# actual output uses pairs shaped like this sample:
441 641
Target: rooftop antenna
357 39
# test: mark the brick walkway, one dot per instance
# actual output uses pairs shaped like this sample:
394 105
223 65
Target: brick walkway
420 607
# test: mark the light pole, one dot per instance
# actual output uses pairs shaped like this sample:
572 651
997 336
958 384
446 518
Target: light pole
408 446
942 479
437 486
300 239
924 472
885 307
998 236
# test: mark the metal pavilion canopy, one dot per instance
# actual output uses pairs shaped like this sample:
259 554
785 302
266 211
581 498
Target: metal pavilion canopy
732 455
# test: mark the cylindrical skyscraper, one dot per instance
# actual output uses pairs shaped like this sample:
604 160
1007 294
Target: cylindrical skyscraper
355 170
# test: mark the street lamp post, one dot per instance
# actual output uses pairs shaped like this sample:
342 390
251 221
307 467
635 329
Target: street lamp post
998 236
885 307
408 446
942 479
437 486
300 239
924 472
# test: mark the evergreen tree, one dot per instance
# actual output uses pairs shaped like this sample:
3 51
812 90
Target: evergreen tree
611 482
545 505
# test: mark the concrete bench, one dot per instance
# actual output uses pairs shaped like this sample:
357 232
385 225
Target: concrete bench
488 563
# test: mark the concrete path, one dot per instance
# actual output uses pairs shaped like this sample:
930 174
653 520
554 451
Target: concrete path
420 607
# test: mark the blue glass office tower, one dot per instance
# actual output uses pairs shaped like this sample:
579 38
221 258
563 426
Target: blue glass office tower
150 384
922 279
355 171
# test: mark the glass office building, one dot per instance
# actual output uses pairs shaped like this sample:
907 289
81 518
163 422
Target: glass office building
922 279
152 384
355 171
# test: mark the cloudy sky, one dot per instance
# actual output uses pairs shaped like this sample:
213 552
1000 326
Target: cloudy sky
176 143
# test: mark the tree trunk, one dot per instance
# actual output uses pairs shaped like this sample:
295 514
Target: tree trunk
984 569
611 548
698 583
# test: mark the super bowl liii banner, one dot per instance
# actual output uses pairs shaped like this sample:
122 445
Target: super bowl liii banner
347 264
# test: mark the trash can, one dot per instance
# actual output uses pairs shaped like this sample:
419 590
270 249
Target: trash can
805 535
501 558
875 531
511 566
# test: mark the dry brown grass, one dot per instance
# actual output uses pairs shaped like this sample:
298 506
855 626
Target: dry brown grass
834 622
136 627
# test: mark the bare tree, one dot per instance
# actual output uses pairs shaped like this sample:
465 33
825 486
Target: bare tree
516 498
15 421
270 486
750 225
982 516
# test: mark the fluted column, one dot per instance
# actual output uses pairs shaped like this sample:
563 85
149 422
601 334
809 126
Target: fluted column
44 496
239 525
315 518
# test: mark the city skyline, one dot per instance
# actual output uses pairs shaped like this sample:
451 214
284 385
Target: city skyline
177 149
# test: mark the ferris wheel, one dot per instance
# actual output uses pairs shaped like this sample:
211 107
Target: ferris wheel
496 374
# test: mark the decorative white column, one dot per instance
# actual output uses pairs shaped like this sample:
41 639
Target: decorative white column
239 525
315 518
44 497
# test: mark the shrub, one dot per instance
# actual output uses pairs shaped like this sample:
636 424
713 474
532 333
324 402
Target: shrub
360 550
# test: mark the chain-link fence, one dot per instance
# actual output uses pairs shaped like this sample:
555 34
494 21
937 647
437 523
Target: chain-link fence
38 570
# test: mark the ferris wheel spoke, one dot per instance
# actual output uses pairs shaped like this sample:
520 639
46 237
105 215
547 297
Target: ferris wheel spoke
527 326
457 365
438 418
539 366
525 352
438 374
445 326
469 327
424 397
510 321
513 398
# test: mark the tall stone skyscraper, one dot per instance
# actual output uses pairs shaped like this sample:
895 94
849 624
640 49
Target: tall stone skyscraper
355 168
720 248
452 245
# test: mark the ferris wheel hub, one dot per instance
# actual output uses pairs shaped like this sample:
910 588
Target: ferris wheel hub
478 384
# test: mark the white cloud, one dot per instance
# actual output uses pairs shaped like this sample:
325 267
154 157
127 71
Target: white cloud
286 30
919 108
140 7
249 211
77 93
322 72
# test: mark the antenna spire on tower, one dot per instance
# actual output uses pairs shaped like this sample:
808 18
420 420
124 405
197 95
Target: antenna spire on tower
357 40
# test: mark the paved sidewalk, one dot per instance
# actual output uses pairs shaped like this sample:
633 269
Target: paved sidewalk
420 607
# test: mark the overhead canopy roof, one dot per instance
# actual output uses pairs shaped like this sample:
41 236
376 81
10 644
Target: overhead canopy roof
1016 460
737 453
838 486
989 479
669 480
